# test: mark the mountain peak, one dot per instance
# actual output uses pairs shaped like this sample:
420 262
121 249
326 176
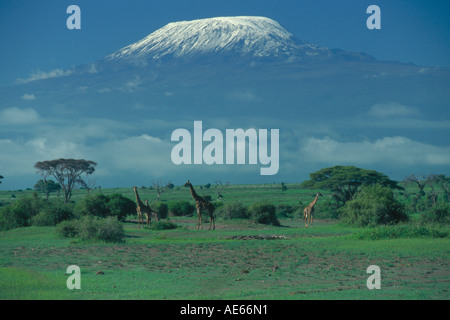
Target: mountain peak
242 35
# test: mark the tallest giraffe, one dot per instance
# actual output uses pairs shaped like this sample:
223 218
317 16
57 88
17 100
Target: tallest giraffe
202 204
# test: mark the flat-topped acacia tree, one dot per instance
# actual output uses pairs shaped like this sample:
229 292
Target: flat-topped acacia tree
68 172
347 181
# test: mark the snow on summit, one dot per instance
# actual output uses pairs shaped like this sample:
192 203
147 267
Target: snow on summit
254 36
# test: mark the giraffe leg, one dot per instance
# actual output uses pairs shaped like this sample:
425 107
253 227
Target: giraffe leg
211 214
211 221
199 217
201 221
139 217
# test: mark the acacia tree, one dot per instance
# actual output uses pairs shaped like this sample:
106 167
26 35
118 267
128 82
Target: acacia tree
68 172
438 180
420 182
47 186
160 188
347 181
433 181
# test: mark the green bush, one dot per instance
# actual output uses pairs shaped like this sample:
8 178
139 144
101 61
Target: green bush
162 225
181 208
32 210
96 206
374 206
161 208
286 211
120 206
402 231
92 228
110 230
440 213
103 206
68 229
9 219
52 214
264 213
233 210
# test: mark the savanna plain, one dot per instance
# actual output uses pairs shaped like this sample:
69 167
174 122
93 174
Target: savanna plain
239 260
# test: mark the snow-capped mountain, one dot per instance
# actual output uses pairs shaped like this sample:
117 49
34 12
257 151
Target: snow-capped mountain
229 72
241 36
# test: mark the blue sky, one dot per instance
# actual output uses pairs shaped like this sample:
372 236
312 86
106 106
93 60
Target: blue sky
35 38
36 43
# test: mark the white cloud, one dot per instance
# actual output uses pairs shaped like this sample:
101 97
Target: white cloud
18 116
18 157
385 110
28 97
143 157
41 75
145 154
93 68
247 96
388 150
104 90
132 84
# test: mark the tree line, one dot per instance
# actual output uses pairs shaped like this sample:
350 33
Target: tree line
361 196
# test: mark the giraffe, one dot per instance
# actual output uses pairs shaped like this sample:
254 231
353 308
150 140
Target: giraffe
143 209
200 204
308 212
153 214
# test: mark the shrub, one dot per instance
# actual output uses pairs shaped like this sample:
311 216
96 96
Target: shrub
32 210
440 213
110 230
8 218
181 208
264 213
92 228
402 231
93 206
163 225
120 206
68 229
286 211
374 206
103 206
161 208
52 214
233 210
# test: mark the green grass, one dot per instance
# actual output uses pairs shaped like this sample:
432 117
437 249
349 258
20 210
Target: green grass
327 261
323 262
245 193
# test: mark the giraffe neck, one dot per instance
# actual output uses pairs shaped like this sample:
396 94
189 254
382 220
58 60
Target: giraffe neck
194 194
313 203
138 200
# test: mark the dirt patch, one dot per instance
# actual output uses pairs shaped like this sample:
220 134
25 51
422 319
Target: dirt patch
259 237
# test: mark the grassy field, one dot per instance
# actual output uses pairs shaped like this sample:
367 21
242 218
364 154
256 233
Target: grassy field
236 261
